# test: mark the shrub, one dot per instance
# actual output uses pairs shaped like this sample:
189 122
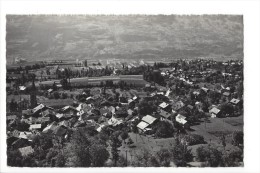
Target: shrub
194 139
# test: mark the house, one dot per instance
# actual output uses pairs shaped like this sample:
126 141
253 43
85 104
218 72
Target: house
214 112
69 110
235 101
198 105
57 103
167 93
24 135
143 126
181 120
25 151
50 90
196 93
227 94
22 88
11 117
149 119
163 105
50 128
205 89
114 121
38 108
165 115
35 126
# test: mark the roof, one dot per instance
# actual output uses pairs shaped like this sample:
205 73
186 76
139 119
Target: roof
11 117
163 105
35 126
24 135
181 119
59 115
64 123
37 108
165 114
226 93
204 89
81 112
167 93
190 107
214 110
60 131
234 101
142 125
57 102
26 150
113 121
43 119
47 112
196 92
27 112
148 119
22 88
50 128
16 133
68 107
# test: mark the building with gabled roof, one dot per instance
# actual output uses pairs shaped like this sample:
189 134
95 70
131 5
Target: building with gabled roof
181 120
234 101
164 105
214 112
149 119
25 151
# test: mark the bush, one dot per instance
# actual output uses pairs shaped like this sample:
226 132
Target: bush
164 129
233 158
194 139
211 155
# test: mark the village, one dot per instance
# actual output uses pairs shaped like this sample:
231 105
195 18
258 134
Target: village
125 113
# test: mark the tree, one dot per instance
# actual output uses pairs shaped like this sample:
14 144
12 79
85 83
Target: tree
14 158
77 151
56 95
227 109
211 155
99 155
233 157
180 153
115 143
164 129
164 157
60 160
238 138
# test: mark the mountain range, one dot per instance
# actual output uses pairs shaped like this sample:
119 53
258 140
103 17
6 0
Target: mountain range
70 37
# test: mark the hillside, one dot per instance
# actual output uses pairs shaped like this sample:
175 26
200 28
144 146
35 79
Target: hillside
40 37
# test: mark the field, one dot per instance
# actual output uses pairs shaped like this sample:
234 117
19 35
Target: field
211 131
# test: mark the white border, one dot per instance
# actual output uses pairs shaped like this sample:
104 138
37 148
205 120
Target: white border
250 10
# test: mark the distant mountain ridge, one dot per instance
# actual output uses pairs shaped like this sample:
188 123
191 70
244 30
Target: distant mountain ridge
45 37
